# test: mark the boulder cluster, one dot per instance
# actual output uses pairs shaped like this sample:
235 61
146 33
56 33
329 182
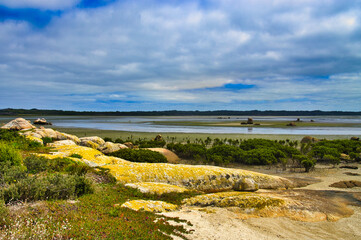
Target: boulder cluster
154 178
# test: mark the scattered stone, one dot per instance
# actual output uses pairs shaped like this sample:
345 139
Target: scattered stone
18 124
312 120
150 206
346 184
344 157
156 188
309 139
349 167
250 121
298 120
42 121
129 145
291 124
158 138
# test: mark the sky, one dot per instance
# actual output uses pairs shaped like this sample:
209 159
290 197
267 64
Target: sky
145 55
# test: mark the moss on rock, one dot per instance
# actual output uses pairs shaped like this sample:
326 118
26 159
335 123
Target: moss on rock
234 199
156 188
150 206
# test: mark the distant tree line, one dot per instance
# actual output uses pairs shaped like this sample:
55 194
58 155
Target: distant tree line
39 112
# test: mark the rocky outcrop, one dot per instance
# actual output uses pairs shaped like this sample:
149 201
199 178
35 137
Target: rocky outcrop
156 188
18 124
202 178
110 147
62 143
309 139
150 206
234 199
93 142
35 139
42 121
169 155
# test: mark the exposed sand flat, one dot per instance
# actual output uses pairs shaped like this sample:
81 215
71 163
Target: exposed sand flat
222 223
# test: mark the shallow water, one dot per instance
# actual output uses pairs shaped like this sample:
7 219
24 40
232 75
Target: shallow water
149 124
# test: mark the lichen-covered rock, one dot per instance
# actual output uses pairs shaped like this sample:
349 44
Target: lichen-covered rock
110 147
150 206
93 142
18 124
169 155
202 178
62 143
35 139
71 137
234 199
156 188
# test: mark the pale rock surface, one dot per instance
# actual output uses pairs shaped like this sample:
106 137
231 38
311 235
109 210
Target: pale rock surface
62 143
18 124
150 206
35 139
156 188
93 142
110 147
202 178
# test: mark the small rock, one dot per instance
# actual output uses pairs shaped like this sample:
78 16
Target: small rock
42 121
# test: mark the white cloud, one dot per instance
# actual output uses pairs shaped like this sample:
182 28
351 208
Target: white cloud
158 52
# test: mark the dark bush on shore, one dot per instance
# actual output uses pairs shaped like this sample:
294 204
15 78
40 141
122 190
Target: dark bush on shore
54 186
139 155
150 143
189 150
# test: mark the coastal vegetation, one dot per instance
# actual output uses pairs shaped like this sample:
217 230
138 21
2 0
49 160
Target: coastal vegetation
63 197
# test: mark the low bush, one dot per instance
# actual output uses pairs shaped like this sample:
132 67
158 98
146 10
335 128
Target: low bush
139 155
47 140
50 187
9 155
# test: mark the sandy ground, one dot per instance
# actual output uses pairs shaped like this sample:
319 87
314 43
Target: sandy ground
226 224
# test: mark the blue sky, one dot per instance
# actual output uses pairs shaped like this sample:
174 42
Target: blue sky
122 55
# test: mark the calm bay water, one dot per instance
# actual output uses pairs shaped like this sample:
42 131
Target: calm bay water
149 124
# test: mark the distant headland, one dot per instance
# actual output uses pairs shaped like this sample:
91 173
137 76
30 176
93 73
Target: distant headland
44 112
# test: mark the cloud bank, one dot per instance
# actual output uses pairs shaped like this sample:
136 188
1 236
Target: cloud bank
186 55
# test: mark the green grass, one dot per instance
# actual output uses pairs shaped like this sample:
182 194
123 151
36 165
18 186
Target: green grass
99 216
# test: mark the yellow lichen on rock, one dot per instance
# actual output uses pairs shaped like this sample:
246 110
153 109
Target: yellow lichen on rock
202 178
234 199
150 206
156 188
35 139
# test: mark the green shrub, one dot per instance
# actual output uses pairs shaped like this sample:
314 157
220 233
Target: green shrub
151 144
10 174
47 140
108 139
307 164
139 155
35 164
75 155
331 159
188 150
9 155
50 187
